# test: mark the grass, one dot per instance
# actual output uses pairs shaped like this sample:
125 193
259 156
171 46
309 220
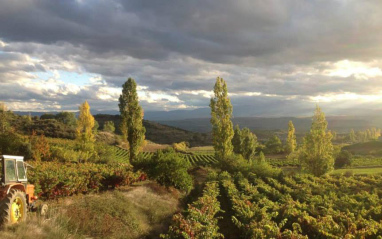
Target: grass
142 211
371 170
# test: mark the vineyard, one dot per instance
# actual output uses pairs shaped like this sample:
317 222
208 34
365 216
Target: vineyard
305 206
194 159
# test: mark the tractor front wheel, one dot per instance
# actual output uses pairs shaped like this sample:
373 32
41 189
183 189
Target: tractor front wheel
13 208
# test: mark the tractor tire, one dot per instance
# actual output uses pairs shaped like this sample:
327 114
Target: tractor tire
13 208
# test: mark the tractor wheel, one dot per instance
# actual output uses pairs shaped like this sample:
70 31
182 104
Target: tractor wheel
13 208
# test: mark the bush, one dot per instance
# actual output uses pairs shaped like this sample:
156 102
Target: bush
199 220
237 164
54 179
180 147
343 159
167 168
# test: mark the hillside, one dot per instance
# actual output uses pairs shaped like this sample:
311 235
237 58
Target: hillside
340 124
161 134
368 148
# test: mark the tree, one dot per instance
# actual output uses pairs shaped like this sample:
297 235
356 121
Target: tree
352 136
68 118
132 116
249 143
109 126
4 118
84 130
274 145
261 158
316 155
237 140
221 112
291 143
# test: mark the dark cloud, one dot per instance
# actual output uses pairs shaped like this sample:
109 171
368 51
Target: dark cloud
286 51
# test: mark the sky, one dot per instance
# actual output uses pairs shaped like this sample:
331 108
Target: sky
281 56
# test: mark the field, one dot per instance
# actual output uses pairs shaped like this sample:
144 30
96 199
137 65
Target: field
304 205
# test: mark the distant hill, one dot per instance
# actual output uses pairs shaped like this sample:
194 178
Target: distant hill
161 134
368 148
341 124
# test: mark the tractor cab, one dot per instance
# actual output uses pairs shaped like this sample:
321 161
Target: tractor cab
13 170
16 195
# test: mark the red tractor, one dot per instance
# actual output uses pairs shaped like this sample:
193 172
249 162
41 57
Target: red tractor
16 195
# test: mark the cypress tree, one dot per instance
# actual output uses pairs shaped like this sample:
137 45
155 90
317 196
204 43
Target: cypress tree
131 118
221 112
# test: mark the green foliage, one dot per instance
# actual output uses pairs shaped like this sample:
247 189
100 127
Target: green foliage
199 221
53 179
352 136
343 159
249 143
305 206
109 126
261 158
221 112
237 140
67 118
274 145
12 143
181 146
237 164
132 116
316 155
167 168
4 118
50 128
291 142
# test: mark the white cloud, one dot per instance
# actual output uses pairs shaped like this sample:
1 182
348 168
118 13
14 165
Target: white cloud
360 70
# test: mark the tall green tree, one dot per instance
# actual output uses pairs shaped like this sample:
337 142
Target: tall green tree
131 118
291 143
84 131
237 140
249 143
317 153
221 113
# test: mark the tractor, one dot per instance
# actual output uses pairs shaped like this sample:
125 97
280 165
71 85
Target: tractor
16 195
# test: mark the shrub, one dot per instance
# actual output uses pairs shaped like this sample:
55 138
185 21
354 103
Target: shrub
237 164
200 219
54 179
343 159
168 168
180 147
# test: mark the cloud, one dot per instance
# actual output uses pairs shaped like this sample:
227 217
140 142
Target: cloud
298 52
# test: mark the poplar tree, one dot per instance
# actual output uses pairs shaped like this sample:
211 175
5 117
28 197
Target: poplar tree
291 143
131 116
316 155
221 112
237 140
249 143
84 130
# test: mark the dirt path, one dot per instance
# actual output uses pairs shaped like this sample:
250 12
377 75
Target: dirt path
227 228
